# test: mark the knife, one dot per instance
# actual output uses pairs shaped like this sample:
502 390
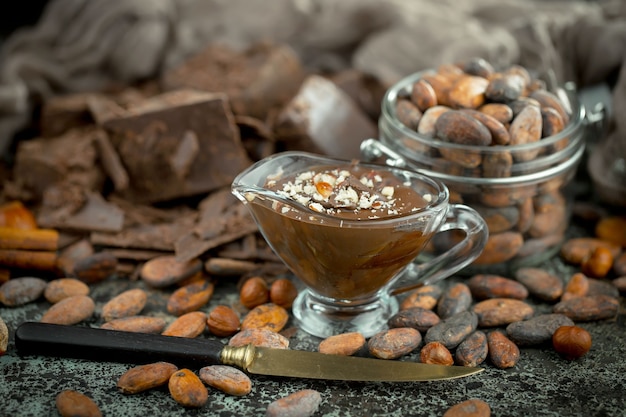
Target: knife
34 338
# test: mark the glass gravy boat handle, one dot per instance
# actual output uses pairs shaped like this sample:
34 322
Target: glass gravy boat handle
459 217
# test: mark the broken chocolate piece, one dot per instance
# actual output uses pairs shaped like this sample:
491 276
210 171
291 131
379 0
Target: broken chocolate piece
174 123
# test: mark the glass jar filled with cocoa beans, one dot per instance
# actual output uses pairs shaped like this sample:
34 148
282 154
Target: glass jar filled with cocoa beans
502 141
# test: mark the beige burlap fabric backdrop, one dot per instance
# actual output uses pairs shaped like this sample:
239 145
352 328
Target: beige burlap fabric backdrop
82 45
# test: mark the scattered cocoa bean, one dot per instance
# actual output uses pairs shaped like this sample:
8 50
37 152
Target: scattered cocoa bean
187 389
619 265
473 407
577 286
418 318
423 96
145 377
503 352
227 379
303 403
576 250
435 353
163 271
536 330
588 308
452 330
620 284
70 403
483 286
126 304
455 299
601 286
61 288
394 343
501 311
473 350
500 247
260 338
190 325
223 321
540 283
22 290
345 344
424 297
137 324
70 310
190 297
266 316
4 337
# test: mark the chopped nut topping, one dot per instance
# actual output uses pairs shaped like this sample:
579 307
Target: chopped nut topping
358 192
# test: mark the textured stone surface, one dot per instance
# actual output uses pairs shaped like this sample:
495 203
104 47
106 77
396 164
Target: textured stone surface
541 384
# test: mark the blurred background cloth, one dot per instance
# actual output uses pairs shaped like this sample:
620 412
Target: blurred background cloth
88 45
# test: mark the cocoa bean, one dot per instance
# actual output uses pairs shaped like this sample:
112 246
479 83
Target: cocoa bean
540 283
187 389
71 403
4 337
497 165
423 96
612 229
576 250
61 288
394 343
435 353
70 310
163 271
498 219
417 318
188 325
22 290
503 352
408 114
190 297
473 407
526 129
138 324
260 338
426 126
500 247
484 286
128 303
619 265
499 133
501 311
478 66
345 344
458 127
424 297
303 403
500 112
145 377
588 308
227 379
473 350
503 88
552 122
453 330
602 287
468 92
455 299
536 330
549 99
266 316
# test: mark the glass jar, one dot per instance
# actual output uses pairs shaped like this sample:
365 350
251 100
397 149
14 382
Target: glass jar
527 210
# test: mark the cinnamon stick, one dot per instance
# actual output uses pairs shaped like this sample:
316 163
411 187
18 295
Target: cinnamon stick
28 259
36 239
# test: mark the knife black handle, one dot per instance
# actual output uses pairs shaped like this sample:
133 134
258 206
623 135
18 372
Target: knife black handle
33 338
